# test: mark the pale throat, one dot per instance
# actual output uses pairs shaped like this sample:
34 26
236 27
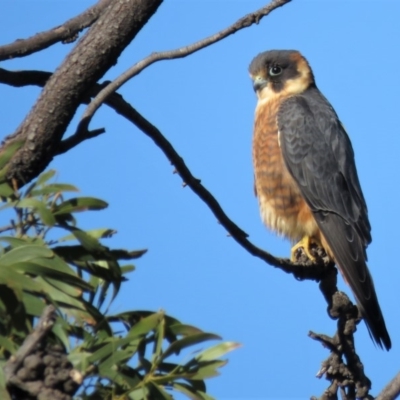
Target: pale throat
292 87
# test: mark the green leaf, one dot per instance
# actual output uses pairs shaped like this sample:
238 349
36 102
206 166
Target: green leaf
187 341
43 178
184 330
190 391
8 152
95 233
217 351
208 369
53 188
79 204
141 393
4 395
66 288
88 242
109 347
19 282
146 325
6 190
34 305
18 242
60 329
157 392
25 253
121 254
45 272
70 305
160 331
45 215
8 345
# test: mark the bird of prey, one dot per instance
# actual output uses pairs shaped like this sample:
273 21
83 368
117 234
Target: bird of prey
305 175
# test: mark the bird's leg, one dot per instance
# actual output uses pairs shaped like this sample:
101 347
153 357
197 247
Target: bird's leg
305 244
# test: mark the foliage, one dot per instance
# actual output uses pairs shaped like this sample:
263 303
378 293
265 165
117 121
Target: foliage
131 355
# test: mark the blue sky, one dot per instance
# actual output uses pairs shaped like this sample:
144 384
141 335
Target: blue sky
204 105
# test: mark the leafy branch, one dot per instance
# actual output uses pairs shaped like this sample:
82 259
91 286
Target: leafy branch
75 273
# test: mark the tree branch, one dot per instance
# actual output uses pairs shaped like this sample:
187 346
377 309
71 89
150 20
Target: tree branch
244 22
43 128
392 389
76 139
117 103
66 32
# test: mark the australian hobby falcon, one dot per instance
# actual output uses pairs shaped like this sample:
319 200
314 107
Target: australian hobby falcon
305 175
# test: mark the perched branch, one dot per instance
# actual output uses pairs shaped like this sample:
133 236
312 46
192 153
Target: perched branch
115 101
244 22
343 367
43 128
66 32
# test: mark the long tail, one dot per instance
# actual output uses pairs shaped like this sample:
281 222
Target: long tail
348 250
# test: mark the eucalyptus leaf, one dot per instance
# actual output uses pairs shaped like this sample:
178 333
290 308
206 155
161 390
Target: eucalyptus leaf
24 253
217 351
41 208
79 204
187 341
53 188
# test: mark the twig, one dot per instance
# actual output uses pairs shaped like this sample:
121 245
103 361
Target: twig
66 32
76 139
244 22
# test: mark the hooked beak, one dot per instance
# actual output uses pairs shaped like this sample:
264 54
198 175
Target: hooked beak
259 82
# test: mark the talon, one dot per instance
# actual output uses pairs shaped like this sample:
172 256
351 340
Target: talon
305 244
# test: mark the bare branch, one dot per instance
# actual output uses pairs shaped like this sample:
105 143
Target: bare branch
343 368
392 389
24 78
244 22
66 33
116 102
43 128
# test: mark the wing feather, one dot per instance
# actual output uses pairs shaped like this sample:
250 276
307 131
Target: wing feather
320 158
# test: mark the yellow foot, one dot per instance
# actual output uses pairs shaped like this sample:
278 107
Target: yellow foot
305 244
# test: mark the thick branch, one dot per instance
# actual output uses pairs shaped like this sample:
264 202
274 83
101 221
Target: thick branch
67 32
246 21
42 130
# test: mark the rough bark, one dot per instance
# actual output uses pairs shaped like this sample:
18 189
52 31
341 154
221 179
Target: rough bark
97 51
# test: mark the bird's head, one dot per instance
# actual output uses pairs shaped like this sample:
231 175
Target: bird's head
280 71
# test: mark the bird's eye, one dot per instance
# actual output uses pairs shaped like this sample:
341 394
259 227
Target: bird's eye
275 70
